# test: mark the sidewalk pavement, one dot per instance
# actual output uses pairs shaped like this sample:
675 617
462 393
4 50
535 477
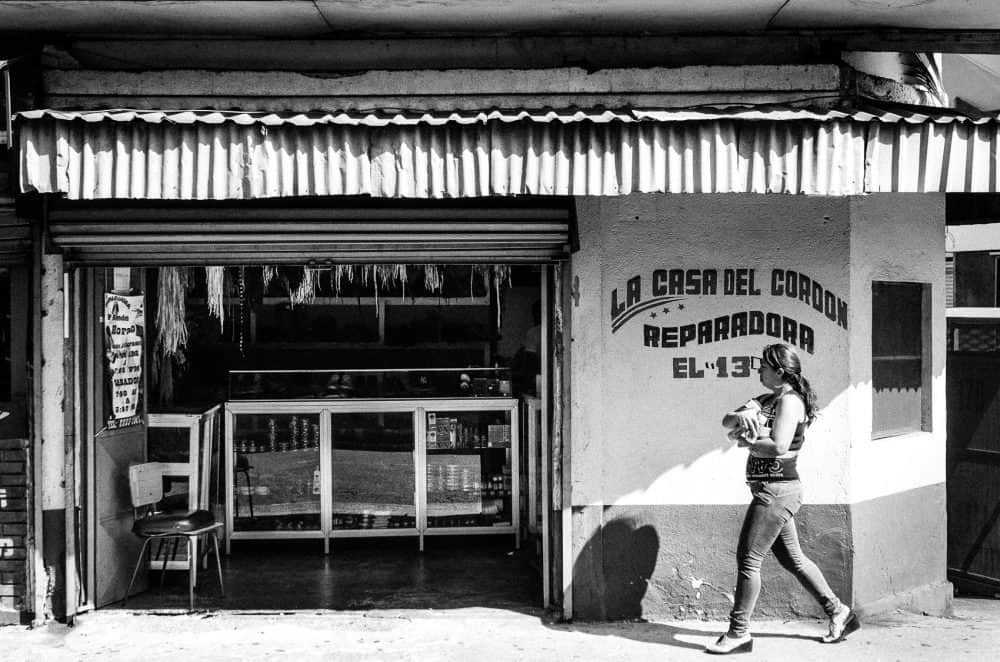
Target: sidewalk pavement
487 635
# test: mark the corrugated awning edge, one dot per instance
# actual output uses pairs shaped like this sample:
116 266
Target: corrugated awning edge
869 112
210 155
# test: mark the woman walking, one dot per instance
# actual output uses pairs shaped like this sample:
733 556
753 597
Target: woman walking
772 427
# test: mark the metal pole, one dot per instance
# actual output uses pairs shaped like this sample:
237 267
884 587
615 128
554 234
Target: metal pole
70 438
90 352
546 502
9 111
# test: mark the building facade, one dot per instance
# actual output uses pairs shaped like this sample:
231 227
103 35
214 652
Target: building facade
707 208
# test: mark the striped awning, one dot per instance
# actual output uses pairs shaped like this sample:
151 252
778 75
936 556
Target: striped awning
212 155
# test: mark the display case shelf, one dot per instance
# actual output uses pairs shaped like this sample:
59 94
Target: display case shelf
430 383
361 467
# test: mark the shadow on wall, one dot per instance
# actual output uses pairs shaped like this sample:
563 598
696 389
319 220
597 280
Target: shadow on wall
642 562
612 573
626 554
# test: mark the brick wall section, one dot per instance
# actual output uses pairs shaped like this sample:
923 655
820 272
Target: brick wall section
13 529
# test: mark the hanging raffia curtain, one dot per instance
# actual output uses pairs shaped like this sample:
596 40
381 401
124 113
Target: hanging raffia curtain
171 328
215 280
305 293
172 332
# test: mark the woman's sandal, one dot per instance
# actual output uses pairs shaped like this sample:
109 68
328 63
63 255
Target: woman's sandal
841 625
726 645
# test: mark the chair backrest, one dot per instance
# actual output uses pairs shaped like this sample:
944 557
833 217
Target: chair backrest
145 482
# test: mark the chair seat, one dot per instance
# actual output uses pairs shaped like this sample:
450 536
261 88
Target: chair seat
178 523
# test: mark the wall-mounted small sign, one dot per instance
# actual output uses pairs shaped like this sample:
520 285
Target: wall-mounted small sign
123 337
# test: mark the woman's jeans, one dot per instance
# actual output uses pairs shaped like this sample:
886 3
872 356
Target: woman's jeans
770 525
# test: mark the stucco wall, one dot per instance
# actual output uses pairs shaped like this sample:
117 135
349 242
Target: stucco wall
651 468
650 457
642 435
897 483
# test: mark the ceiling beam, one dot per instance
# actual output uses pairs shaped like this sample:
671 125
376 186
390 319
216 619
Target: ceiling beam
913 41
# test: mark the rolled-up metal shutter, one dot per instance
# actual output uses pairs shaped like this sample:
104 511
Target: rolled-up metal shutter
313 230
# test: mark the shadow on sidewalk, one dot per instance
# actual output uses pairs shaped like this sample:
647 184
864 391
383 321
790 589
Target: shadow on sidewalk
667 634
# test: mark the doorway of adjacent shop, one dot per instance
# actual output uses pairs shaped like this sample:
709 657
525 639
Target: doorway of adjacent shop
369 434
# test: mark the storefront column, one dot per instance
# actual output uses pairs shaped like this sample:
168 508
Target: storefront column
898 506
50 436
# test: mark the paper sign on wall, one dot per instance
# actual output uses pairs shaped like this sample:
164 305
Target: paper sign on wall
124 319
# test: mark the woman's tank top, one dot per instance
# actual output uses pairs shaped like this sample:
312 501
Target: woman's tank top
772 468
768 404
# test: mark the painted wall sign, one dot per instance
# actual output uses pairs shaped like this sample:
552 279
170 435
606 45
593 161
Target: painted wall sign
667 303
124 320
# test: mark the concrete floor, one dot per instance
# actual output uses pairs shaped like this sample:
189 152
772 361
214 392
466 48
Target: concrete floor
490 635
374 573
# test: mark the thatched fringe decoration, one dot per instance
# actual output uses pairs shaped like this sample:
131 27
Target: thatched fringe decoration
366 271
172 331
164 369
305 293
267 274
340 273
433 277
163 378
501 275
483 271
242 288
391 274
215 279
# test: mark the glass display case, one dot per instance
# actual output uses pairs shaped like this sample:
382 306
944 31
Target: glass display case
468 469
373 465
351 466
371 383
277 473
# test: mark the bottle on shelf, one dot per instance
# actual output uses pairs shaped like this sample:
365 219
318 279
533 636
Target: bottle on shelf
272 434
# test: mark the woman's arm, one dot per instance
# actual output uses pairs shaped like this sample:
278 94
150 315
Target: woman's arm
742 416
731 420
789 412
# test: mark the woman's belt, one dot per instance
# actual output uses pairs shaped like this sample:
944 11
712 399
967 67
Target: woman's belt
772 468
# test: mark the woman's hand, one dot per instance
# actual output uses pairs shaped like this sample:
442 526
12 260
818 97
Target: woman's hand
750 423
743 418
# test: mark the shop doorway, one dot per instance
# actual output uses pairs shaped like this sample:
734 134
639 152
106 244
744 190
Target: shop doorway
361 420
111 397
973 459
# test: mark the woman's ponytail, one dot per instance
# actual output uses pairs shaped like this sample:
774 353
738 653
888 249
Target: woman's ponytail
802 386
784 357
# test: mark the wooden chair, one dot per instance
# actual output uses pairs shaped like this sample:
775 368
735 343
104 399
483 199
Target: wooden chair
146 485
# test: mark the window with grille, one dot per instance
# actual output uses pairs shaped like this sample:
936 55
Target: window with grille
900 358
